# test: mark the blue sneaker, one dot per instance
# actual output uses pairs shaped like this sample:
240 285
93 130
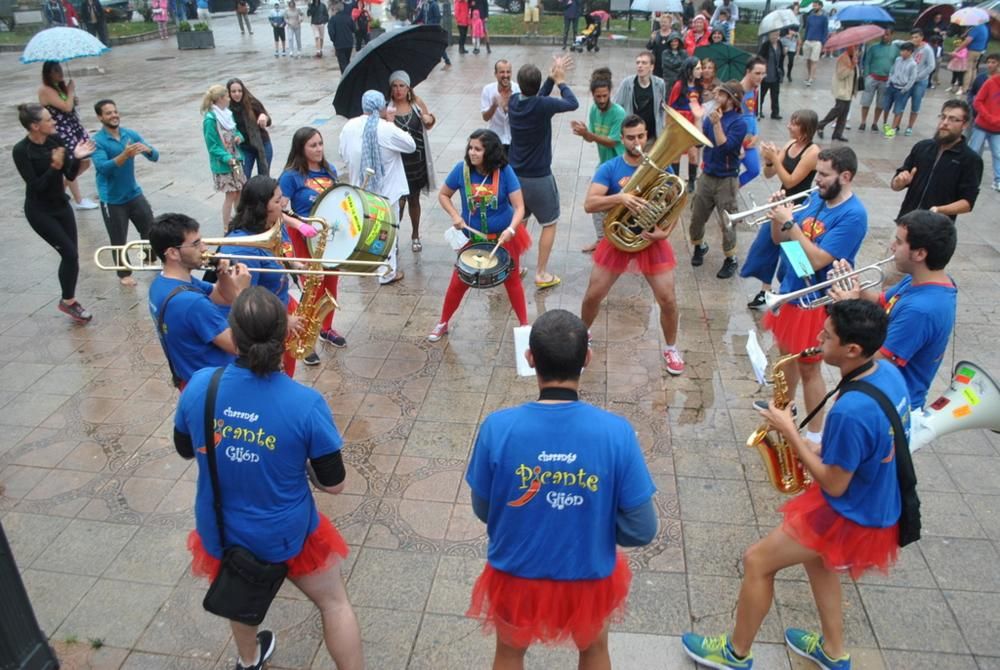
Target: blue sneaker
714 652
810 645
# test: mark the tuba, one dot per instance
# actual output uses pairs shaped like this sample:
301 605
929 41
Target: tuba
664 193
783 466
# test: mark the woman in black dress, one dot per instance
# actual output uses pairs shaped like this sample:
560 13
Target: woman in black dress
43 162
412 116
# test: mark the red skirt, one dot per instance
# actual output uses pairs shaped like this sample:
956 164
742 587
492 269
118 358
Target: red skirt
844 545
796 329
524 611
324 547
655 259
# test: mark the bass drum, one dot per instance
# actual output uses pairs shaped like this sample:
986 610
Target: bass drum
362 227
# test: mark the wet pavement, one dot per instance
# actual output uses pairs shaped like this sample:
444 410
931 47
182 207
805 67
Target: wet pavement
97 504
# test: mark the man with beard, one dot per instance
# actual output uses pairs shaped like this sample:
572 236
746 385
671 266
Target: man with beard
604 129
114 161
942 174
829 228
495 99
656 262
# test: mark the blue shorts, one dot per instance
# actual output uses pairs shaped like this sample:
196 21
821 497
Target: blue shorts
917 95
895 99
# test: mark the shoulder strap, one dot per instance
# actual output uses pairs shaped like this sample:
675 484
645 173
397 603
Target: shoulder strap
213 468
160 316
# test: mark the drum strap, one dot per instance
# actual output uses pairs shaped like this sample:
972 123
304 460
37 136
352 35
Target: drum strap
481 197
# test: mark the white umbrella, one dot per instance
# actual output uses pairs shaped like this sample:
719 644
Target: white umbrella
672 6
61 44
776 20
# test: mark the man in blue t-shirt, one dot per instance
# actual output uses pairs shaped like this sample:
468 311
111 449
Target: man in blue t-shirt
194 332
847 520
817 30
558 483
830 227
976 41
921 307
656 262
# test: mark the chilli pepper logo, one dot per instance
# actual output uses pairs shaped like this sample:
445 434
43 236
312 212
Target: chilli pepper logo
534 487
532 478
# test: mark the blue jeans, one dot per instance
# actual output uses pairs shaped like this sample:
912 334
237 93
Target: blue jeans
250 157
895 99
981 137
917 95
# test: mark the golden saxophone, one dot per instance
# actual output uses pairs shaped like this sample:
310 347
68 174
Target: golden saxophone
316 301
783 466
664 193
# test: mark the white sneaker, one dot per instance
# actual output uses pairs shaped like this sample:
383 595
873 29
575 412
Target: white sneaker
86 203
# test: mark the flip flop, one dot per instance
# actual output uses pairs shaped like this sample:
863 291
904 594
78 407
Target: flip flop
555 281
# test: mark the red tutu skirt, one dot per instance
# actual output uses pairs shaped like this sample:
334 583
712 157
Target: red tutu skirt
844 545
524 611
655 259
796 328
324 547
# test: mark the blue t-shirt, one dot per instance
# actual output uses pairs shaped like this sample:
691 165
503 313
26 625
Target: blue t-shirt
857 437
302 191
268 427
499 211
980 37
920 321
276 283
555 476
838 231
192 321
614 174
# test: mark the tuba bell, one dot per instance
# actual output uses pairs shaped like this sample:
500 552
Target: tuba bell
664 193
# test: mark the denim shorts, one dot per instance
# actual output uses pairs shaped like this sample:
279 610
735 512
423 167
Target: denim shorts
917 95
895 99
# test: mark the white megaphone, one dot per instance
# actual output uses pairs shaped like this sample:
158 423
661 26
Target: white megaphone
971 401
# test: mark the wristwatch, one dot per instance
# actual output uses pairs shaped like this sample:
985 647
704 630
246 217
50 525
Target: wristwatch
787 225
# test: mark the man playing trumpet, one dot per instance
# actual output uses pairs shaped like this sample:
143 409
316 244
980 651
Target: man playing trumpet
831 227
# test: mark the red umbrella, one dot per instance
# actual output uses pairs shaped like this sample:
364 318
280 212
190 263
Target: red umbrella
927 16
850 37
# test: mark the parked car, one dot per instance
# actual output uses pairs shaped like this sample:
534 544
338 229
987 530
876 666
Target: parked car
548 6
905 12
114 10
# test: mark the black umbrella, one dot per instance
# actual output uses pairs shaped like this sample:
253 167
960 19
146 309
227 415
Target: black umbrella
415 49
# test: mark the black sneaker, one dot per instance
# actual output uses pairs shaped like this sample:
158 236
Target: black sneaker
265 642
728 268
762 405
758 301
76 312
862 128
311 359
333 337
698 257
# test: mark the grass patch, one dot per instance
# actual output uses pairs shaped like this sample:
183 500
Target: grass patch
22 34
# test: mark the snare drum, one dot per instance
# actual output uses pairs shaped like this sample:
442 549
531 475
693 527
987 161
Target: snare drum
476 268
366 227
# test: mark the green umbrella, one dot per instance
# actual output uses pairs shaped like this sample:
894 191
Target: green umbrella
730 62
805 3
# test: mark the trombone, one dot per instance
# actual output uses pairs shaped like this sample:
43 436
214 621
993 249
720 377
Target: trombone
758 215
774 301
270 240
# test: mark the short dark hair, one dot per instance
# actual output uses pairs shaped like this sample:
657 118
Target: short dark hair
958 103
808 122
558 341
496 65
251 210
28 113
917 31
723 12
633 120
906 46
843 159
934 233
596 84
529 79
993 56
494 157
648 55
753 62
859 322
259 322
169 230
99 105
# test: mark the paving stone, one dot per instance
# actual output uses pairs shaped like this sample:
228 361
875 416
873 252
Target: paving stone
30 534
928 661
182 627
978 616
657 603
912 619
85 547
393 579
133 605
714 500
387 636
972 565
53 595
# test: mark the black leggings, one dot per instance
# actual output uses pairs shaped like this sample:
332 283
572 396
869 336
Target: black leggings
791 62
55 224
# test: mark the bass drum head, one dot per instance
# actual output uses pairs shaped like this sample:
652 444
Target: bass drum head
477 268
365 227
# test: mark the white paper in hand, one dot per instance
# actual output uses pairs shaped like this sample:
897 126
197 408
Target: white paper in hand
454 237
758 359
521 336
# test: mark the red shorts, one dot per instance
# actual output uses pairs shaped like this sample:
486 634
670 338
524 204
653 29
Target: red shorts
324 547
524 611
655 259
795 329
844 545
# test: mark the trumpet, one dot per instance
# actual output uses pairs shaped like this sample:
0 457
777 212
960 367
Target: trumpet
774 301
758 215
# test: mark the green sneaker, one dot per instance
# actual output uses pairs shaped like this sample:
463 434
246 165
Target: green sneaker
890 131
810 645
714 652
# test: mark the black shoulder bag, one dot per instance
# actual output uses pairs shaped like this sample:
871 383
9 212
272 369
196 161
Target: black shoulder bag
909 515
162 336
245 586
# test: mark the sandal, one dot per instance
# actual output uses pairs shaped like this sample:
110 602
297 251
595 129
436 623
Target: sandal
415 245
555 281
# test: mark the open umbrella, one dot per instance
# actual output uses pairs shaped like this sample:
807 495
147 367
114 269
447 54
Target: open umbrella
730 62
927 16
850 37
414 49
859 14
61 44
970 16
778 20
671 6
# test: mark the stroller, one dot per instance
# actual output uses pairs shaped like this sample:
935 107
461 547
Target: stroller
588 38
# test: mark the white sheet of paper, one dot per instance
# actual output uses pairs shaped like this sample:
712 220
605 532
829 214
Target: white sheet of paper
758 359
521 335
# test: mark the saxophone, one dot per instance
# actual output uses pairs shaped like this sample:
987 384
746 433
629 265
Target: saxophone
316 301
783 466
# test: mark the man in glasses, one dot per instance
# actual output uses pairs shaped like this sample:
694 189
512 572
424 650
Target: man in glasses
190 320
942 174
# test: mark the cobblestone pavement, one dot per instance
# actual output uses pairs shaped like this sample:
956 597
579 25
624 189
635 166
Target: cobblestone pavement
97 504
